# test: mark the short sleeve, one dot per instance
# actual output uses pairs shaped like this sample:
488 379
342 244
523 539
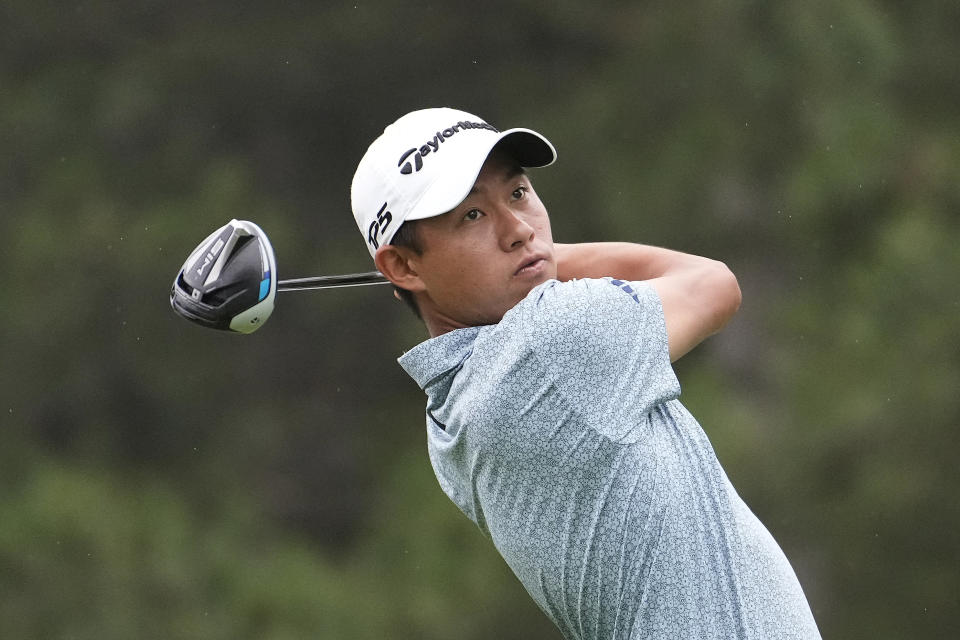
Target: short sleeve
604 344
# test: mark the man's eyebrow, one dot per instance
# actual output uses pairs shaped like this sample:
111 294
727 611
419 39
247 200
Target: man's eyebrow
513 172
508 175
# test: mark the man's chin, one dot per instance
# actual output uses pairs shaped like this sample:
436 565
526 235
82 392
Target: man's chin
538 279
528 286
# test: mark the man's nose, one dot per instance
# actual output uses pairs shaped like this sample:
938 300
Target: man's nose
513 230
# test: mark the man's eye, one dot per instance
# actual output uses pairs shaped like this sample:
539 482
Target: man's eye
473 214
519 192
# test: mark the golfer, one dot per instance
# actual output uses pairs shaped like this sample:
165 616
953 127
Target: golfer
552 414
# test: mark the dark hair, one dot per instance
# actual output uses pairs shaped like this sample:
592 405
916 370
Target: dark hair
407 236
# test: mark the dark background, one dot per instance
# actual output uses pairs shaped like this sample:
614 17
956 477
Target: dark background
158 480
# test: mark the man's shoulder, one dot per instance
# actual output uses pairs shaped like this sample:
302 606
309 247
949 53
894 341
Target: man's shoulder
580 305
597 334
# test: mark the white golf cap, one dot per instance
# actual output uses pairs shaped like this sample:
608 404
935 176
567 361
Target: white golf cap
425 164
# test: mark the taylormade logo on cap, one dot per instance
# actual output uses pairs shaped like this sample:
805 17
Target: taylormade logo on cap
434 145
396 181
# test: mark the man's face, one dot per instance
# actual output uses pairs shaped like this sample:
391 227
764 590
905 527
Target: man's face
483 257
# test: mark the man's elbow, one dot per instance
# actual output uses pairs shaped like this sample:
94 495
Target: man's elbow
697 304
725 294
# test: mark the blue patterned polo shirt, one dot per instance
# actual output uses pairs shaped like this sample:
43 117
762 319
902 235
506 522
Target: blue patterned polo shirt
559 433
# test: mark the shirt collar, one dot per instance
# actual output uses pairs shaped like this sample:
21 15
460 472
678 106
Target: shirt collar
434 357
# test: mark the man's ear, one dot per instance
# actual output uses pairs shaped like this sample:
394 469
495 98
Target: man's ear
394 263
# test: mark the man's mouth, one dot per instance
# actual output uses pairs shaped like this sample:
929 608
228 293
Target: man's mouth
533 265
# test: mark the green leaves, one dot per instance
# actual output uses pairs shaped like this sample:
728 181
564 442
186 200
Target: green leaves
811 146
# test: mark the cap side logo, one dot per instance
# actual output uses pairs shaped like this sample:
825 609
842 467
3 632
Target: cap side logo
378 227
433 145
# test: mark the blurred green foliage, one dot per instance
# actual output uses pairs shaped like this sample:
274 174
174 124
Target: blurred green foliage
163 481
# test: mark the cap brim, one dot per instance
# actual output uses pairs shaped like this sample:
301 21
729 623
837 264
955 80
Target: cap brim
527 147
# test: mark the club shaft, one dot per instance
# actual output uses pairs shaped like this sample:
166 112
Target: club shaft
330 282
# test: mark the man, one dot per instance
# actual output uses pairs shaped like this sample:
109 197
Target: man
552 414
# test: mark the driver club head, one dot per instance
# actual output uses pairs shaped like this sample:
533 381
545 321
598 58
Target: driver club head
229 282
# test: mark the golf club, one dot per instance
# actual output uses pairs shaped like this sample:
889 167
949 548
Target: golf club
229 282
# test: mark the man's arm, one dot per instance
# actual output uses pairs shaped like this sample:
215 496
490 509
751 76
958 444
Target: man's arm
699 295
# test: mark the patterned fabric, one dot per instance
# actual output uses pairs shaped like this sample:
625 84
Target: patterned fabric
559 433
